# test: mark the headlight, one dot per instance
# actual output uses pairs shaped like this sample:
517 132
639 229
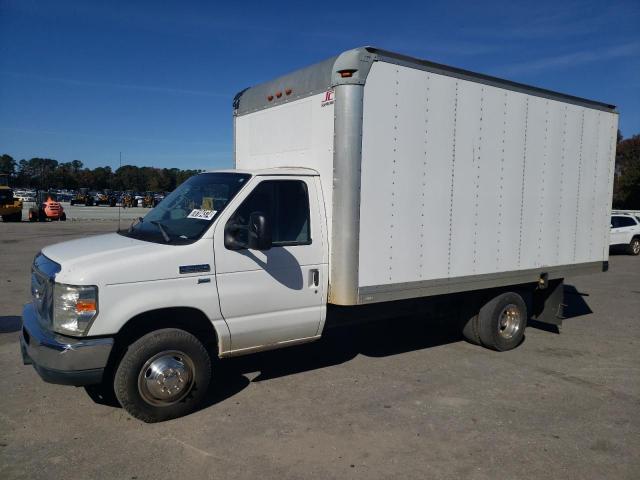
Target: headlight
74 308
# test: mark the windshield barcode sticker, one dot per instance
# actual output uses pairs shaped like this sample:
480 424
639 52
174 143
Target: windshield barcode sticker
202 214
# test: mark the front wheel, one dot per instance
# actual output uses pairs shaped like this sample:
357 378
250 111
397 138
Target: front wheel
163 375
634 247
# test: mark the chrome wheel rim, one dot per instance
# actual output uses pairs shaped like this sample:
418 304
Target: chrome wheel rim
166 378
635 246
509 321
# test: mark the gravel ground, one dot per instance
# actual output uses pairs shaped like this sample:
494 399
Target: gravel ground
404 398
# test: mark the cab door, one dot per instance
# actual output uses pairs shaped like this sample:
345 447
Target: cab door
277 295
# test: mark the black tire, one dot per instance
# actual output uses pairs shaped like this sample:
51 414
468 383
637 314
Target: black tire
634 246
470 331
33 215
501 322
63 217
172 344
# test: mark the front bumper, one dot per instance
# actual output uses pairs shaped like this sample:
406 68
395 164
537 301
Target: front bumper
60 359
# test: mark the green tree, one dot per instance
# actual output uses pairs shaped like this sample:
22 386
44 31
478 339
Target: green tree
48 173
626 186
7 164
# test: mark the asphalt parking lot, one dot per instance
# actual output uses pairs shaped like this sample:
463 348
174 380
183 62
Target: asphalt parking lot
405 398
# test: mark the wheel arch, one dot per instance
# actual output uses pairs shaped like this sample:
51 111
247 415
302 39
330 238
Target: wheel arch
189 319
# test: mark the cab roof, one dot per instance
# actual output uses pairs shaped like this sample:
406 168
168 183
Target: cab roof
282 171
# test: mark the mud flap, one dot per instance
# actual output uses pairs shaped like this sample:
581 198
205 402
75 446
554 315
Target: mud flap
548 303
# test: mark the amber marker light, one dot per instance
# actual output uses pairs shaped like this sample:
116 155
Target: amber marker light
346 73
85 306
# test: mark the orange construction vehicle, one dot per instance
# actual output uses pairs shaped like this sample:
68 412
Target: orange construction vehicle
47 208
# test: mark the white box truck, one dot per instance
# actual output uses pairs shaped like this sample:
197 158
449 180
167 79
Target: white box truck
365 185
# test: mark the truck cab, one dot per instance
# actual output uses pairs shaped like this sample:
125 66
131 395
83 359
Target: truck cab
231 262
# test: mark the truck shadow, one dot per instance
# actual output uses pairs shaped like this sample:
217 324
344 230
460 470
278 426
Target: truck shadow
11 323
341 344
338 345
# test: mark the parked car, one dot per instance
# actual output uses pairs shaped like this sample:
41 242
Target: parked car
625 232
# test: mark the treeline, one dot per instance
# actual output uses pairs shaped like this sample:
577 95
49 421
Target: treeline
46 173
626 187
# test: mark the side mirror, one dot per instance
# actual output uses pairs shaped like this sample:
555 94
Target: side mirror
259 235
231 237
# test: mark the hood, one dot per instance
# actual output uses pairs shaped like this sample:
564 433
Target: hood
113 259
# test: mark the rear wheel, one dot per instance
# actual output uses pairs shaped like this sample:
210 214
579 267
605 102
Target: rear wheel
501 322
63 217
634 247
33 215
163 375
470 330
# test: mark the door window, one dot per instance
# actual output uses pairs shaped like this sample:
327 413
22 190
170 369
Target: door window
285 204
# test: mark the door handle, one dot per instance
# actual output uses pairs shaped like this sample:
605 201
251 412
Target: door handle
315 277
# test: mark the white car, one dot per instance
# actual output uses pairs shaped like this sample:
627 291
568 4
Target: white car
625 231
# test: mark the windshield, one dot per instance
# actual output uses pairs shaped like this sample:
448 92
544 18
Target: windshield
184 215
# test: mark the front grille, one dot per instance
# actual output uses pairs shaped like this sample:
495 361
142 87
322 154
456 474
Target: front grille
42 295
43 274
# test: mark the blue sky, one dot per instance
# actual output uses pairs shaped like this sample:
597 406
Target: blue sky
88 79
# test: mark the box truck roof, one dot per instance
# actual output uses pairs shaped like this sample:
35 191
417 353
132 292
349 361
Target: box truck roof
352 67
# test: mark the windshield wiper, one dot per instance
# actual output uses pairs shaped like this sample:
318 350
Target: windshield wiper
161 227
